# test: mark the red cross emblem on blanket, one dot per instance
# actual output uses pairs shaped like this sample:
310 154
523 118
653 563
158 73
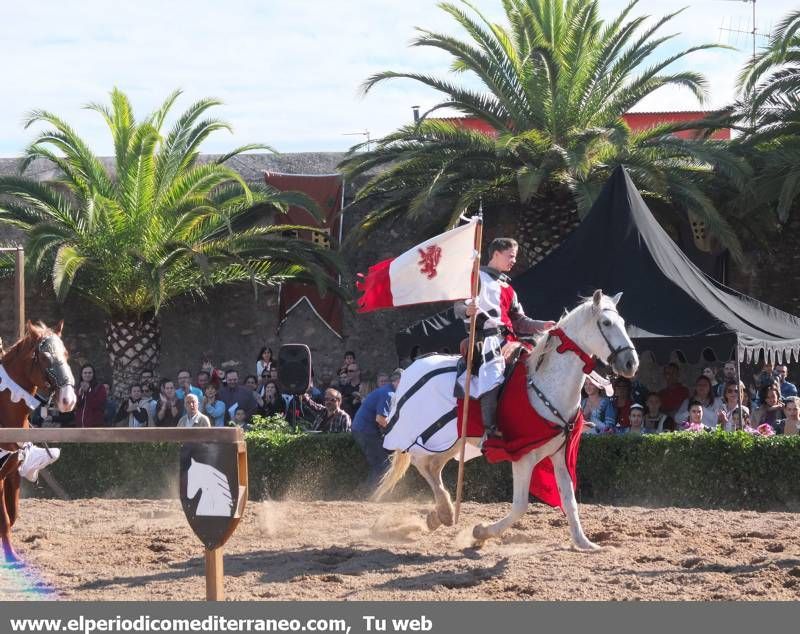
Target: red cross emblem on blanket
429 260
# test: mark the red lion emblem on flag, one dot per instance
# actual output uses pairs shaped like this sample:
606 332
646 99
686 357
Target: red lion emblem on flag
429 260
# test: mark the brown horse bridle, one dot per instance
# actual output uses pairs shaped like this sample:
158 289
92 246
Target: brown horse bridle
56 371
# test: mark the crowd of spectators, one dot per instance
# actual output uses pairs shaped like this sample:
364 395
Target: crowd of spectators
215 397
718 399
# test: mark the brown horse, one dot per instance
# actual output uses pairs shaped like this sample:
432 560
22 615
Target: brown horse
38 361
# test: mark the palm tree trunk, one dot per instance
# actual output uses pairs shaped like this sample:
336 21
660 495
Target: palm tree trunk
544 226
133 345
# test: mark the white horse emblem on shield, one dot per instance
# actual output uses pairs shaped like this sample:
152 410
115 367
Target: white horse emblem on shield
215 492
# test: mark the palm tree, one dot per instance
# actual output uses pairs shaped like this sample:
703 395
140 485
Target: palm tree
554 83
160 224
770 113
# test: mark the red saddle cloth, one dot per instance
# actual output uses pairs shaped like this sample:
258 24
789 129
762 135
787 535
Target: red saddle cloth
523 431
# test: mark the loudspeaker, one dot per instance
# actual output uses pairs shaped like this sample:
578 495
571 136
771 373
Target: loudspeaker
294 368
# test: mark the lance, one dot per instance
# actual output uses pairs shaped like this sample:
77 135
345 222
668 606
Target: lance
476 269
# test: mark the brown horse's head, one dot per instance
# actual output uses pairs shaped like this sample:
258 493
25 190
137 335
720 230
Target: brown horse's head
39 360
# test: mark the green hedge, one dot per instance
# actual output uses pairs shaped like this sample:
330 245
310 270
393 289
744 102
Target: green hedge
708 470
692 469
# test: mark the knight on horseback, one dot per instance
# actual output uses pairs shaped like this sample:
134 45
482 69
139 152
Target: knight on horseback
32 459
500 321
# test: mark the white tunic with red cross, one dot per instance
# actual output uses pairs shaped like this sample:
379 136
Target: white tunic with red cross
497 307
497 302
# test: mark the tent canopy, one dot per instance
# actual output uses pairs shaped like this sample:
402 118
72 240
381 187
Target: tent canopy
668 303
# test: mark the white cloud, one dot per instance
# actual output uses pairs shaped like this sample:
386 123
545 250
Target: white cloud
289 73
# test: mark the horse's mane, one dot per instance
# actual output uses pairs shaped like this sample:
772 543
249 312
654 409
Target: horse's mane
21 348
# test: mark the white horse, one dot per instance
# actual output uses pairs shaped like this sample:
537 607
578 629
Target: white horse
215 492
599 332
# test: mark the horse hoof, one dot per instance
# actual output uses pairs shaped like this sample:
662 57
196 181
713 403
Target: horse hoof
588 547
12 559
480 533
433 520
445 517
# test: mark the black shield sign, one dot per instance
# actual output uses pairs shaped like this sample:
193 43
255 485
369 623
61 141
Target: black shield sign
213 489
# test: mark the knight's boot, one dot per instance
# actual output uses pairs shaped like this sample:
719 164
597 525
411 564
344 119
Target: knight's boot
33 459
489 413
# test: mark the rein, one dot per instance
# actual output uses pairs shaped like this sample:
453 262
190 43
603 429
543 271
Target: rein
568 345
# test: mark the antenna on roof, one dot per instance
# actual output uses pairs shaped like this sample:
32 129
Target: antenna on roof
753 32
365 133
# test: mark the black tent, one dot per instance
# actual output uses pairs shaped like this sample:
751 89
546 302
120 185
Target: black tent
668 303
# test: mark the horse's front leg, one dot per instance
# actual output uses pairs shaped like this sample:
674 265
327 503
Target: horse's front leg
6 521
522 470
569 503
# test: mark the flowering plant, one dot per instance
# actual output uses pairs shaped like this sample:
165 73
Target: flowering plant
687 426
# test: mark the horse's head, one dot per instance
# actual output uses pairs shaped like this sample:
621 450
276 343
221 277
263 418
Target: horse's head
192 482
602 334
49 369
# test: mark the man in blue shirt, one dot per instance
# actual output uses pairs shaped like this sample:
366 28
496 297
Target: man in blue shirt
185 386
787 389
368 425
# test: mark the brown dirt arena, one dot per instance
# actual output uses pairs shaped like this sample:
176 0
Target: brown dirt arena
138 550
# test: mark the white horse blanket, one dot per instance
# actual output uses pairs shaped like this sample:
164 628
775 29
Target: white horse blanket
423 416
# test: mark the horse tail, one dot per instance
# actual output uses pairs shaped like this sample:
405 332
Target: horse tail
400 462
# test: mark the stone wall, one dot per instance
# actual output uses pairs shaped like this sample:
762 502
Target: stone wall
773 275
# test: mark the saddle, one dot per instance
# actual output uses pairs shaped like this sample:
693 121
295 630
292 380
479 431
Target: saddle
511 351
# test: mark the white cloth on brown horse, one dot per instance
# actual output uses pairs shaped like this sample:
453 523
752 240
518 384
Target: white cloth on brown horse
17 393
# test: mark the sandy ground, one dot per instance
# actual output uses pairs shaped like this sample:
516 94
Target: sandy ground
133 549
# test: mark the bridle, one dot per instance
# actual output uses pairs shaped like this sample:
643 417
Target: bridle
613 352
57 375
56 372
568 344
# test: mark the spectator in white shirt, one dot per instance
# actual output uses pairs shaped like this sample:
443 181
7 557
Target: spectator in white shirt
193 417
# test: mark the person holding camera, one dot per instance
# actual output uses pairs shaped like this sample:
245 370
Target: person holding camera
330 417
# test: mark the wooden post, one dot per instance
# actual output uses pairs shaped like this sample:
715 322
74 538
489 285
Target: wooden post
476 269
739 383
19 291
215 590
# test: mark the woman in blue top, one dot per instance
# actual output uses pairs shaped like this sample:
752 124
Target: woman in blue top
213 408
597 409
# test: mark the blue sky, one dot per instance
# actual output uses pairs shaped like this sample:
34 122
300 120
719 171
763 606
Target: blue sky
288 72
